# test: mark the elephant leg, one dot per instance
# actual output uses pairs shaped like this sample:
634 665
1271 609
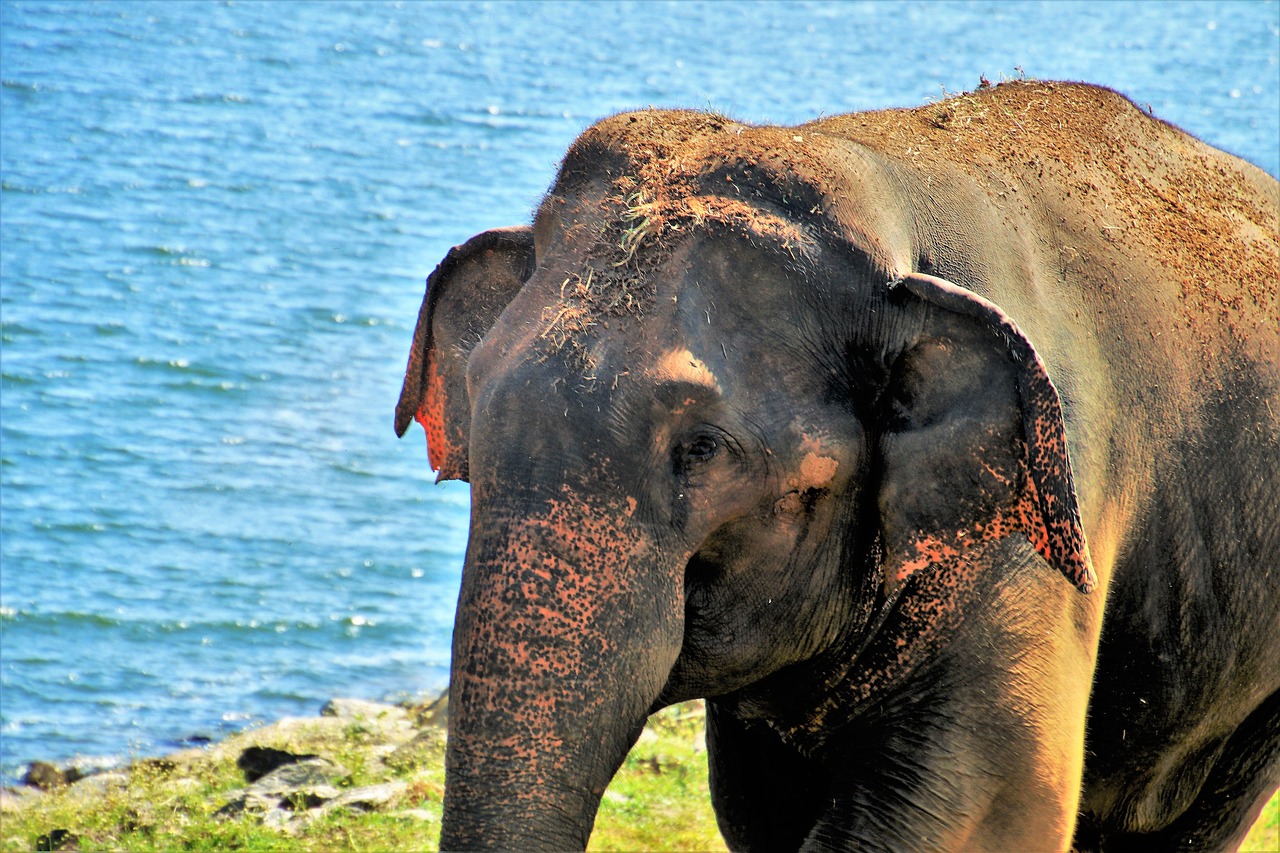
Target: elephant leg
1243 777
766 795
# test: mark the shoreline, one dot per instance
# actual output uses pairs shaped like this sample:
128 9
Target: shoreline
361 775
80 766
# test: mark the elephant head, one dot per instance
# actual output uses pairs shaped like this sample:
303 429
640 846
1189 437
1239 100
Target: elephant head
719 430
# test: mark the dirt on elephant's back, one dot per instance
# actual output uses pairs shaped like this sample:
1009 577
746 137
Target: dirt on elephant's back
1139 183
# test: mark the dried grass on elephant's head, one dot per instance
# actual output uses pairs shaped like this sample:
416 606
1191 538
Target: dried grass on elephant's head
676 173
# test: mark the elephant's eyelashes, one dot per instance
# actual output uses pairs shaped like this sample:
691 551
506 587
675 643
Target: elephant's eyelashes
703 448
698 450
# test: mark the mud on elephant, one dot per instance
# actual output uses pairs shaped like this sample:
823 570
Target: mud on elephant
937 448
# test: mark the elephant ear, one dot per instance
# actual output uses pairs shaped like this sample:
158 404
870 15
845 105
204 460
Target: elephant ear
974 446
465 294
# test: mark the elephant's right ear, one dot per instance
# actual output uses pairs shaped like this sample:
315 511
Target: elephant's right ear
465 295
975 444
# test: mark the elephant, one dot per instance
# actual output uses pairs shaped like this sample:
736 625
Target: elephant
935 448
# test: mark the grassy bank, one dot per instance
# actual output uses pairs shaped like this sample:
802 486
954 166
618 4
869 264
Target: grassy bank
188 801
196 800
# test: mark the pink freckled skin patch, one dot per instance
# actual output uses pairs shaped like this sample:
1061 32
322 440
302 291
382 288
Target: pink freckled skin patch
443 452
545 600
817 472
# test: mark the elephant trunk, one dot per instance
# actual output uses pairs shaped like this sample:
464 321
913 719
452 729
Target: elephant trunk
567 629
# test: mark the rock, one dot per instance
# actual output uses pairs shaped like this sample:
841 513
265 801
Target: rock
310 797
258 761
433 713
369 722
370 798
290 728
375 758
361 709
312 731
427 744
283 820
309 772
187 757
98 785
233 807
243 802
46 777
57 839
298 786
290 809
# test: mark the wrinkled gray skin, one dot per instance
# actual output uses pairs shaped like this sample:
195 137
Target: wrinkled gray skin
816 422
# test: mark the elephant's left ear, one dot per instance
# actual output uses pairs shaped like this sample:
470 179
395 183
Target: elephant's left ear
465 295
973 336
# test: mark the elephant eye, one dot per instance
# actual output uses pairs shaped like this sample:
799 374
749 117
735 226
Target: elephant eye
697 451
703 448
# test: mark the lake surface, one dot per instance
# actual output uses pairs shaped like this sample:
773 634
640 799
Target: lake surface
216 221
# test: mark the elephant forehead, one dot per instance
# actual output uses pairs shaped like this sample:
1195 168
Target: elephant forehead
679 364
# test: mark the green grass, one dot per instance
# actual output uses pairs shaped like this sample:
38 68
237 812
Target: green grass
658 801
1265 835
172 805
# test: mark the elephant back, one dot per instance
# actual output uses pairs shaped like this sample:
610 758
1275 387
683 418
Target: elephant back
1114 183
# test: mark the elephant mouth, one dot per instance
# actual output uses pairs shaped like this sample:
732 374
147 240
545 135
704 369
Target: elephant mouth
700 573
683 682
719 653
723 653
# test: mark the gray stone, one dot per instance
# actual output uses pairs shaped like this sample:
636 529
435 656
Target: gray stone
233 808
309 772
426 745
46 777
258 761
433 713
370 798
309 797
287 793
247 802
285 821
362 709
98 785
286 730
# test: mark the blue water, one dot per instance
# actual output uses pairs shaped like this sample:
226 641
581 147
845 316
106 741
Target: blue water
216 220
